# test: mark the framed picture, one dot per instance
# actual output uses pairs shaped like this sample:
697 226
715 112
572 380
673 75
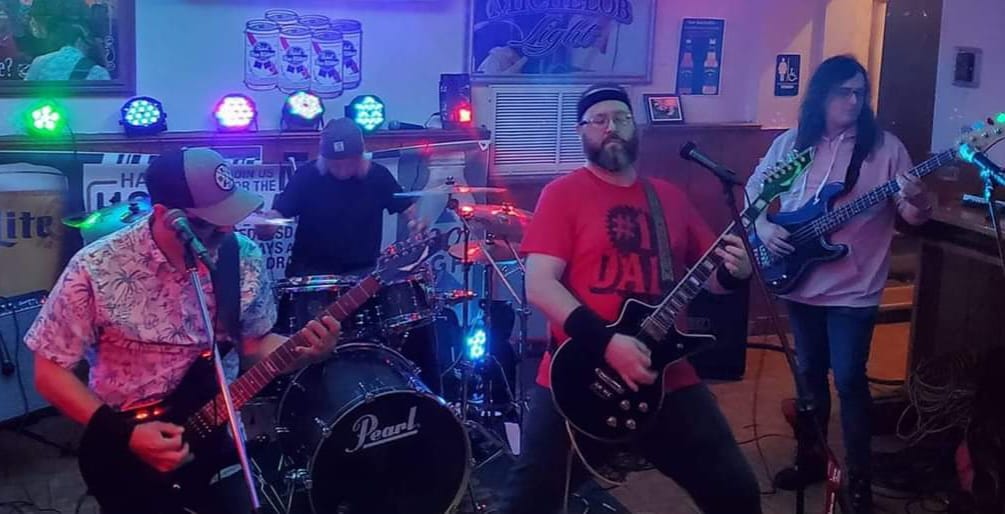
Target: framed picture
67 47
664 108
560 42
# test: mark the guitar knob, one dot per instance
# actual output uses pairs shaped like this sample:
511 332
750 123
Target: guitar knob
643 407
612 422
625 405
630 424
176 486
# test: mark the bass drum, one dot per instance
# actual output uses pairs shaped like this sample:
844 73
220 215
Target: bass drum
371 437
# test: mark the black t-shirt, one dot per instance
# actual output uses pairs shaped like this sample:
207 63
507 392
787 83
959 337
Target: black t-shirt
340 221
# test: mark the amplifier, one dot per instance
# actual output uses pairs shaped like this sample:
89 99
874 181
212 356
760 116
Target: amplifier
725 317
18 397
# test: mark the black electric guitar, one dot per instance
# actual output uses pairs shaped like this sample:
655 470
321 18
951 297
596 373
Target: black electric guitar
121 481
590 394
809 225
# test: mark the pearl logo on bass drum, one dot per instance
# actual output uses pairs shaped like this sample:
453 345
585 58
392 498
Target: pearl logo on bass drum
370 434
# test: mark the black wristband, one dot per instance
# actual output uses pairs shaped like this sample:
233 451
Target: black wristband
108 429
727 280
586 326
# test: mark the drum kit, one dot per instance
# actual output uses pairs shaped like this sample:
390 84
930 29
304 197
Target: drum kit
361 432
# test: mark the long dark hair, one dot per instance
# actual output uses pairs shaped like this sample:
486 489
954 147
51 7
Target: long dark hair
813 112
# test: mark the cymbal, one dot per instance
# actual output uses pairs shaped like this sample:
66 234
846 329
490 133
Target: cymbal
99 223
258 219
447 189
501 220
498 250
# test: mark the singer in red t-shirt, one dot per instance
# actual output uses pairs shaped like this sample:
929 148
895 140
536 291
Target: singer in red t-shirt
590 246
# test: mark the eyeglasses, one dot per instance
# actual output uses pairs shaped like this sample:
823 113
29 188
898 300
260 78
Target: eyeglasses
621 120
847 92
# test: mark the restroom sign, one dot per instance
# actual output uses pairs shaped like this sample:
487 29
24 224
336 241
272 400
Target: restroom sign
787 75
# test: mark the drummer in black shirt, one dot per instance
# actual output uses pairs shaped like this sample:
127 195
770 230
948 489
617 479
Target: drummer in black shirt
339 201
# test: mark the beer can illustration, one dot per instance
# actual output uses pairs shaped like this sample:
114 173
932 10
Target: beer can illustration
326 63
352 51
315 22
294 44
282 17
261 54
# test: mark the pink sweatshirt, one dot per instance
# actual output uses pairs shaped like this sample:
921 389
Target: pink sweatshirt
856 280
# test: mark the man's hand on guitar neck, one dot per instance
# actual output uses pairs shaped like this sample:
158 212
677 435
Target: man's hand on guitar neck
160 445
321 338
631 359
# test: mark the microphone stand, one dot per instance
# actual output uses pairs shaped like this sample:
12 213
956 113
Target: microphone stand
808 431
991 180
242 453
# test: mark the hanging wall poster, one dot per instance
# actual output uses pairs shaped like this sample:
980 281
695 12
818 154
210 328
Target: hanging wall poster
699 64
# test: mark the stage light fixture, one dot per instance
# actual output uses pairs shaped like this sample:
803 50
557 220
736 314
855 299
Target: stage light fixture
476 343
236 113
303 111
143 115
45 120
367 111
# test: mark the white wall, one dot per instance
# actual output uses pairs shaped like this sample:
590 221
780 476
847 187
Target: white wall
969 23
190 53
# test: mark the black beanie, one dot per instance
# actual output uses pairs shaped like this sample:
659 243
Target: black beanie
598 93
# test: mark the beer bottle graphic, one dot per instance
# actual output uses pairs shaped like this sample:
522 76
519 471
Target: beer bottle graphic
711 65
685 75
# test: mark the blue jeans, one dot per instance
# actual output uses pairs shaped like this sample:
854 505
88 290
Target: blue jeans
838 338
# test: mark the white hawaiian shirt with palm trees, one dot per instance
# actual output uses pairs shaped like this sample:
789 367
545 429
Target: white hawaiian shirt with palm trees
135 318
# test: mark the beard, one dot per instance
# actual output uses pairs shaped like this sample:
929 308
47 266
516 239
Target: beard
613 153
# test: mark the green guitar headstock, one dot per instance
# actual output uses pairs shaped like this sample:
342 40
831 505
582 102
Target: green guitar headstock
783 174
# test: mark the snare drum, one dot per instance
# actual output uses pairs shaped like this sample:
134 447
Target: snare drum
370 436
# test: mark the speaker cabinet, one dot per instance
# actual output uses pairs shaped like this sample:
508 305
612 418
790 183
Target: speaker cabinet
725 317
18 397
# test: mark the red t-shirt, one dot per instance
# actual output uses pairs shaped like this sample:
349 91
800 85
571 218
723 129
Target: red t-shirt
604 233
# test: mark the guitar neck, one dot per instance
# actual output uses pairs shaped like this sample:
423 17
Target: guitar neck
265 371
660 322
838 217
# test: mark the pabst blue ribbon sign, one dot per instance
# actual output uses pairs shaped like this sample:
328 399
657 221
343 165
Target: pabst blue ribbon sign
579 40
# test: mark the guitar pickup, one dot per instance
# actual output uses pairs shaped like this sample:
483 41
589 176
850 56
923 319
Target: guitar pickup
601 391
609 382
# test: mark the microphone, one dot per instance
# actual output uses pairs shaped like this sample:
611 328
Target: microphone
690 152
179 222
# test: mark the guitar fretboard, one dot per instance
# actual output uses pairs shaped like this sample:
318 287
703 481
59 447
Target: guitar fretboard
659 323
834 219
281 359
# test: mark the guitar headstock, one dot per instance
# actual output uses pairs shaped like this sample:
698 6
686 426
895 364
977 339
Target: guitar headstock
403 257
981 136
783 174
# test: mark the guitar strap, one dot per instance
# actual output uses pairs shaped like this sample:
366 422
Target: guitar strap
662 236
851 177
227 288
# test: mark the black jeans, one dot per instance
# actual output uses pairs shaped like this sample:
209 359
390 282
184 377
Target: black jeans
838 338
226 496
691 443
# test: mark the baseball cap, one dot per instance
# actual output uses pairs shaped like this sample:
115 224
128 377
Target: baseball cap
598 93
341 139
199 181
